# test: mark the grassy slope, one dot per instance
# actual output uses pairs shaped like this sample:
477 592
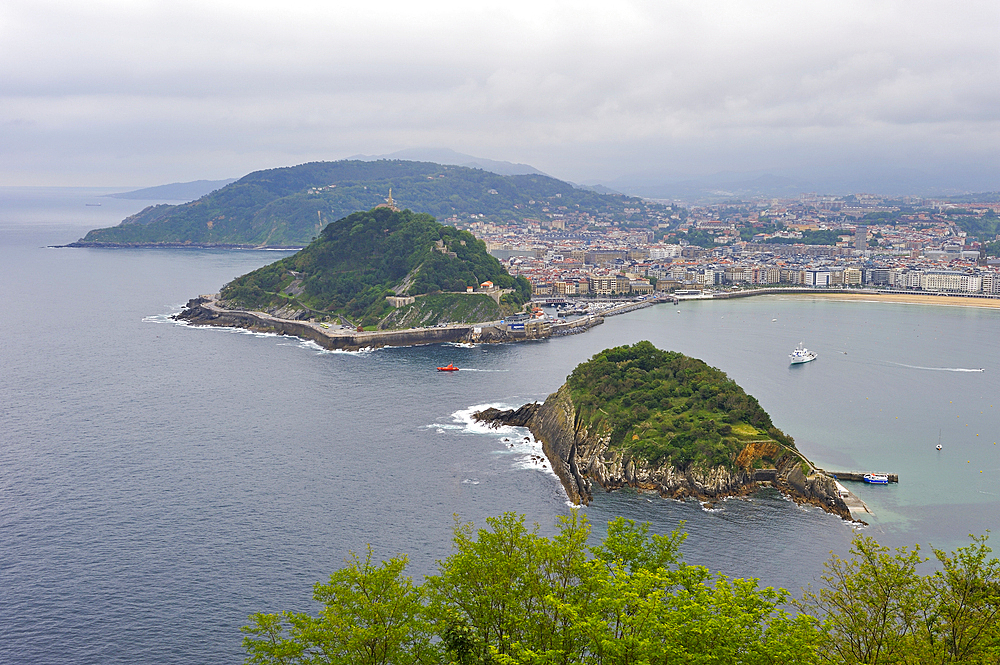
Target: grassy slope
664 407
436 308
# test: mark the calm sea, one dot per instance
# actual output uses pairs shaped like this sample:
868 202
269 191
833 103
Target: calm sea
159 482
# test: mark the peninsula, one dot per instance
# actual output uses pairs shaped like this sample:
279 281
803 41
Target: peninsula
374 278
636 416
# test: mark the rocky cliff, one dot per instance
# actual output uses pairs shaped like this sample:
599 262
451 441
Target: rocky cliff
583 458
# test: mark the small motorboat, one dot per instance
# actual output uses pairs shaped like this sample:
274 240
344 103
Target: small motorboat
877 478
448 368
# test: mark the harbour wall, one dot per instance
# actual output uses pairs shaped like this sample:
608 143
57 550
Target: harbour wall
205 310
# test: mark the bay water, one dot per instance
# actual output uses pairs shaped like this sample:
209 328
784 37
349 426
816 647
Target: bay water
160 482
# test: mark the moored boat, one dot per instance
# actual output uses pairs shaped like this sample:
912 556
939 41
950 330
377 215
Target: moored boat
877 478
801 355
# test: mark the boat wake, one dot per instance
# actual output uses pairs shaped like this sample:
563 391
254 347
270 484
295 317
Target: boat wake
940 369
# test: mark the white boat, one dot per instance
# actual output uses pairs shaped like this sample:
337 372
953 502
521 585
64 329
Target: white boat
801 355
877 478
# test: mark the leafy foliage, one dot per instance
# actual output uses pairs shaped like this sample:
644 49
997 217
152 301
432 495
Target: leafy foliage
871 601
357 261
371 614
700 238
509 596
289 206
877 609
984 228
666 407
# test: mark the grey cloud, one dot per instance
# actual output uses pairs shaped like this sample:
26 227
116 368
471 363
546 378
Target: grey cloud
581 90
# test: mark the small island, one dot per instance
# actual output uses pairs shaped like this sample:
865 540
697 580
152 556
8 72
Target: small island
636 416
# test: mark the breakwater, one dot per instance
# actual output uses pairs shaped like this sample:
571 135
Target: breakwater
857 476
626 307
583 324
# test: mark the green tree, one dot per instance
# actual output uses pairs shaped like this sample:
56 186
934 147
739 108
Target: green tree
870 604
509 586
509 596
960 618
648 606
372 614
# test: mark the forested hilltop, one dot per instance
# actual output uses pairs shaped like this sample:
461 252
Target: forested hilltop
287 207
663 407
359 260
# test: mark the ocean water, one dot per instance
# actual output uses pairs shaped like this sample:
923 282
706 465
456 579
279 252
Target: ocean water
160 482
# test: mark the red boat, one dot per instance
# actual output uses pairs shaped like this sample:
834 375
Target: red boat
448 368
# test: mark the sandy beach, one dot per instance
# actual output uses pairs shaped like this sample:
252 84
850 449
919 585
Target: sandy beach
907 298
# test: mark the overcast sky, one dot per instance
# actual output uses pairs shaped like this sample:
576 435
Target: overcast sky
142 93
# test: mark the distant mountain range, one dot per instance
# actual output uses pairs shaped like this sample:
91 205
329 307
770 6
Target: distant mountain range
447 156
712 188
178 191
725 185
287 207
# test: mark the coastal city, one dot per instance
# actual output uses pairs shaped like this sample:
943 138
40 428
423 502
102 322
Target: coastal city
913 244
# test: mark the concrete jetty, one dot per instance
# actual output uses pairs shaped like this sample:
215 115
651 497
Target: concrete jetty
859 477
859 509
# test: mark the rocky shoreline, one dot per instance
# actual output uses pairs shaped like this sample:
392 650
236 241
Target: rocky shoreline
582 460
206 310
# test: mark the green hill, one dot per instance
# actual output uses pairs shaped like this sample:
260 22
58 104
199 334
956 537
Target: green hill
359 260
663 407
287 207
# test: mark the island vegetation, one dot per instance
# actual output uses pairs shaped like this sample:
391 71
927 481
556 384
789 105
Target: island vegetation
636 416
287 207
509 596
663 407
357 261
